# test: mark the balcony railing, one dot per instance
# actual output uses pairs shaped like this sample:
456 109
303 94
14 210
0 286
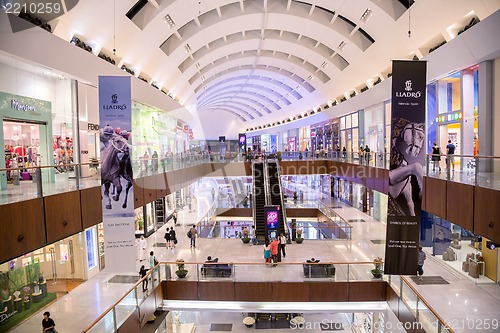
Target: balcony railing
117 314
24 183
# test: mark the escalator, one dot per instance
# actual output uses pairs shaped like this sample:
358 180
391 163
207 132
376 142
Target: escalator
259 200
276 193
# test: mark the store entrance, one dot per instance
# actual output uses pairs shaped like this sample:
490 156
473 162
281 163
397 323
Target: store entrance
450 132
21 147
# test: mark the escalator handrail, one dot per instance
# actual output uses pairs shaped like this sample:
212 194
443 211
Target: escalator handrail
285 224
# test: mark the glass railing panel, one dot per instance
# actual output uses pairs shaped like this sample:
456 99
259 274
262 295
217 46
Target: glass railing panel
395 282
125 307
105 325
409 298
427 319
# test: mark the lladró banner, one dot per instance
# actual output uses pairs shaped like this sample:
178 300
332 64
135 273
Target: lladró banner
115 124
406 166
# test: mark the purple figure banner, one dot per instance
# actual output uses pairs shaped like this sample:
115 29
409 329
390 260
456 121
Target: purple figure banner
115 123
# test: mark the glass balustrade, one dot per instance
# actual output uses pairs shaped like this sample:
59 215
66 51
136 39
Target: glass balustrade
181 271
18 184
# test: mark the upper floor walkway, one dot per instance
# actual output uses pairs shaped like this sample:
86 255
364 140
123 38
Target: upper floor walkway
457 300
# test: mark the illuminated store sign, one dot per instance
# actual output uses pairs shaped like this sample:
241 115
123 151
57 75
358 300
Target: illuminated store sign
450 117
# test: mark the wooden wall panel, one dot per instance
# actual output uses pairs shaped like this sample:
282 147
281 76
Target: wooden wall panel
386 181
91 203
328 292
138 193
150 185
244 212
487 213
23 228
253 291
290 292
460 204
301 212
288 167
180 290
161 185
364 291
424 207
216 291
63 215
131 325
435 196
392 300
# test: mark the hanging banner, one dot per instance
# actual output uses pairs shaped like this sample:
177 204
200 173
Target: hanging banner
406 166
115 123
243 143
222 146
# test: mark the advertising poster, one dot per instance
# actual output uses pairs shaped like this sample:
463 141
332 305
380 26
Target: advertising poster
242 142
222 146
406 166
115 117
272 220
91 248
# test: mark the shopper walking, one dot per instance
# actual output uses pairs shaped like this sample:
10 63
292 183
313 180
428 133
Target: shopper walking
168 239
142 273
274 250
450 156
283 244
48 323
193 233
173 238
361 156
367 154
143 244
174 217
267 251
436 157
421 259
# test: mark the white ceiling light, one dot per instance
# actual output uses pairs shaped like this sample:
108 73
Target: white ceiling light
188 48
324 64
168 20
366 15
342 45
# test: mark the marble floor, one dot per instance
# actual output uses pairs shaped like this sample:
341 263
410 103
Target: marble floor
459 299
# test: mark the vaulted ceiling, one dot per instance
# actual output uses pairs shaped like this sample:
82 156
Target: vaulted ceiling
254 62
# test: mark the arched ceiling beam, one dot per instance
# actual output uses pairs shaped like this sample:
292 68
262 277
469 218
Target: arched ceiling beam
255 96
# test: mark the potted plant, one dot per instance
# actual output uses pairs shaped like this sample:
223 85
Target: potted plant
181 272
299 238
378 271
248 321
245 239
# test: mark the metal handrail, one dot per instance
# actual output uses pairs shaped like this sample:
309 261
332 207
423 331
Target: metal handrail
427 305
163 263
283 209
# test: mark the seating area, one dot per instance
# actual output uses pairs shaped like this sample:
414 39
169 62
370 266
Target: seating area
216 270
313 269
272 320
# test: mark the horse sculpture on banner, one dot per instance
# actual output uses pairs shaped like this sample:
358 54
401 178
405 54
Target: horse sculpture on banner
116 164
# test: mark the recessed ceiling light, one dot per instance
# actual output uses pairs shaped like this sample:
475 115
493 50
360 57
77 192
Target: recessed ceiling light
188 48
342 45
168 20
324 64
366 15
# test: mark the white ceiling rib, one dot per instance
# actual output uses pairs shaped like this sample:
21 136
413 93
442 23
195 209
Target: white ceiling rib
256 97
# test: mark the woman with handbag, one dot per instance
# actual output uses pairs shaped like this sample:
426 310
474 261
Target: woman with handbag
48 324
267 252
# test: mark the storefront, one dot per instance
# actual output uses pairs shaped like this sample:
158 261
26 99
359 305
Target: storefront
26 135
459 248
452 112
305 138
375 126
351 131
